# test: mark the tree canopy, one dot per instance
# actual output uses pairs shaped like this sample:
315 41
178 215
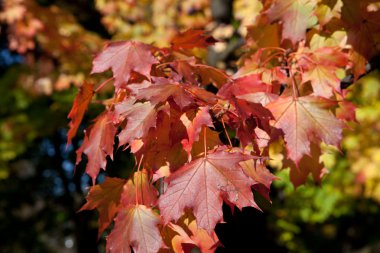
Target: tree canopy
177 111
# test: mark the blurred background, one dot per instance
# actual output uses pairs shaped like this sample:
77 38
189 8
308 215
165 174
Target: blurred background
46 48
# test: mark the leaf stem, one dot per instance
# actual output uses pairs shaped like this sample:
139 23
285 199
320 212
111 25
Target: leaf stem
270 58
103 84
136 188
225 131
296 92
294 84
138 167
273 48
204 141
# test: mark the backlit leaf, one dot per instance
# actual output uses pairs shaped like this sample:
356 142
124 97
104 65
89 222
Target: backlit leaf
304 120
97 145
105 197
136 227
80 104
203 184
296 16
123 58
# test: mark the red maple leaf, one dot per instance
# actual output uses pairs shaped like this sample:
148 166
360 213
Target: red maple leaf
260 174
98 144
186 235
296 16
162 92
81 101
362 24
194 127
244 85
208 74
162 144
194 73
309 164
117 195
346 111
105 197
246 96
304 120
203 184
136 227
124 58
192 38
251 88
262 98
140 118
320 68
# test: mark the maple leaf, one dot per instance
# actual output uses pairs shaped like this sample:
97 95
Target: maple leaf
176 238
363 26
192 38
246 116
196 74
320 68
140 117
80 104
205 242
136 227
194 127
304 120
346 111
260 174
203 184
185 235
244 85
296 16
262 98
263 34
246 96
209 74
124 57
105 197
323 80
202 96
161 92
98 144
262 138
274 76
162 145
264 63
309 164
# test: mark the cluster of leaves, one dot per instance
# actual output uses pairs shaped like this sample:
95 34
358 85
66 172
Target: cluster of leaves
55 48
168 106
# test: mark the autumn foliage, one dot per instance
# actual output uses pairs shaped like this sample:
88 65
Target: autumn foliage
201 137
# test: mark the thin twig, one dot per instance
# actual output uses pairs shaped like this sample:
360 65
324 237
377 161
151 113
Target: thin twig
204 142
225 131
136 188
103 84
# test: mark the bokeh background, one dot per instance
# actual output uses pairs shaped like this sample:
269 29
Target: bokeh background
46 48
